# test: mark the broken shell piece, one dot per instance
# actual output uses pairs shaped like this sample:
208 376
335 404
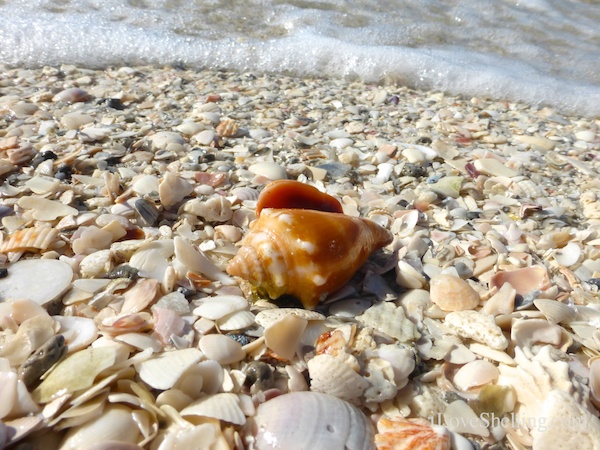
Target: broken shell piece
477 326
44 209
173 189
163 370
75 373
29 239
223 406
523 280
331 375
221 348
115 424
305 253
568 255
555 311
52 278
227 127
452 293
528 332
320 421
214 308
403 434
391 320
502 302
460 418
576 427
474 374
283 335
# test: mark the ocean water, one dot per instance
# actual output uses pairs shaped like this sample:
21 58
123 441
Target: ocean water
542 52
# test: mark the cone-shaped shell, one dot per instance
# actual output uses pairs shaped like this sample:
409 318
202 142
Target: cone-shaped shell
305 253
293 194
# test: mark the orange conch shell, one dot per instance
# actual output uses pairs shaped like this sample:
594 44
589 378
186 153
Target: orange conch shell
293 194
305 253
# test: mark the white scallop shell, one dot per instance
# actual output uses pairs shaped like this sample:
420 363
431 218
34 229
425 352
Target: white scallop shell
237 320
319 421
164 369
331 375
223 406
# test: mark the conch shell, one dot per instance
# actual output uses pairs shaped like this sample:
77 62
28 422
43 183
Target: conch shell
306 253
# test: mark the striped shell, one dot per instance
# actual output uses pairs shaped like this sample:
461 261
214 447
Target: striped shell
402 434
29 239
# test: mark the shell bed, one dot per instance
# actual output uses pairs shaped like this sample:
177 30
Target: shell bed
127 192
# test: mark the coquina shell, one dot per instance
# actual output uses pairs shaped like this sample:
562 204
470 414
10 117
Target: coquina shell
305 253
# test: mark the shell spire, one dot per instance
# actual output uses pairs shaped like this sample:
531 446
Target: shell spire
305 253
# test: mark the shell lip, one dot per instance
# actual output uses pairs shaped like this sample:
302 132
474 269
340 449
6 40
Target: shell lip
291 194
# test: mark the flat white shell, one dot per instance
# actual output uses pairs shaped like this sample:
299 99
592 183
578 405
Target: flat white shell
311 420
224 406
163 370
236 321
215 308
221 348
40 280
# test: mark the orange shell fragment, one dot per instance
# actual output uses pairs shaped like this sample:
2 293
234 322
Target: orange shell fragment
402 434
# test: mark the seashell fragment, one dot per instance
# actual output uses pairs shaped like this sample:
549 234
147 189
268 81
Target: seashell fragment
320 421
460 418
223 406
305 253
44 209
283 335
391 320
523 280
214 308
173 189
29 239
221 348
578 427
227 127
163 370
477 326
555 311
75 373
403 434
452 293
331 375
52 278
295 195
475 373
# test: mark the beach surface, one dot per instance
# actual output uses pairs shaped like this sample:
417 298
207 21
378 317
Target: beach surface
126 191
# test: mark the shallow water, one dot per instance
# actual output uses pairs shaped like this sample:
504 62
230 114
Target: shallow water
539 52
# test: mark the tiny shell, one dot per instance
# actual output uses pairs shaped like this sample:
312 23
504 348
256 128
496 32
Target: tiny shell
320 422
172 189
452 293
402 434
555 311
568 255
227 127
268 316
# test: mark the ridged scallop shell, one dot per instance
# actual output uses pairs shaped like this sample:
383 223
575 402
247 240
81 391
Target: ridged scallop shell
402 434
331 375
305 253
29 239
311 420
227 127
